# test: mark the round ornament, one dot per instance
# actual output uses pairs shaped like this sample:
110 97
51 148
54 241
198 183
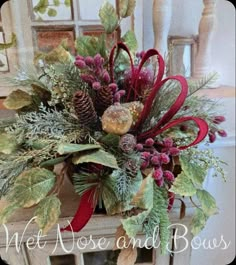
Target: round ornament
135 108
117 120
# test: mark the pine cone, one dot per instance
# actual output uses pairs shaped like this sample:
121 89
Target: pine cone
84 108
103 99
131 167
127 143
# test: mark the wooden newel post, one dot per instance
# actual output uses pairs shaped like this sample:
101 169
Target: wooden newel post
206 30
162 12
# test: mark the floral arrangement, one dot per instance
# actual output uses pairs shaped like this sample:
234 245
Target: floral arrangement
126 136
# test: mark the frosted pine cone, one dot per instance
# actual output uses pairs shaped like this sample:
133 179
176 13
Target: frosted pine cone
84 108
103 99
127 143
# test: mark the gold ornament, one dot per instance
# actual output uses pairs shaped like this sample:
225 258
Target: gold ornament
135 108
117 120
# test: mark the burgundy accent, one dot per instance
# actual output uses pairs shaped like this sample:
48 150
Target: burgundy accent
84 212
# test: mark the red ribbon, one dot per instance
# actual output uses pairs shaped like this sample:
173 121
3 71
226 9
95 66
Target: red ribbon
84 212
165 122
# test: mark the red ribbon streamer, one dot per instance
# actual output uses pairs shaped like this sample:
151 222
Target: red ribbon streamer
84 212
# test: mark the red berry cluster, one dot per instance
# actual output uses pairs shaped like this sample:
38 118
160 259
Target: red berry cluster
157 155
94 74
212 133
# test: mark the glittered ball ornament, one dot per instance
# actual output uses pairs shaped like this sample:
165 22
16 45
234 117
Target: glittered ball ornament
117 120
135 108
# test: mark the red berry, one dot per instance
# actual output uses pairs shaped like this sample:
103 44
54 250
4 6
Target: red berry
144 164
149 142
155 160
145 155
160 182
212 137
89 61
164 158
139 147
80 64
222 133
168 142
158 174
113 87
106 77
96 85
79 57
218 119
174 151
168 175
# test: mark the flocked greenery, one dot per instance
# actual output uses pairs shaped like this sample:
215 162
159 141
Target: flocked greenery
46 132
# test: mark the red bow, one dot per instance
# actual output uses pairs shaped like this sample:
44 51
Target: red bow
165 122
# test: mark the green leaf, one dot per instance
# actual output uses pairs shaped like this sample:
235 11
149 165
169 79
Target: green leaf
110 140
144 198
47 213
53 162
6 212
194 171
123 6
108 17
208 203
8 144
67 3
130 39
31 187
10 44
198 222
99 157
41 7
127 8
134 224
183 186
52 12
17 100
56 2
73 148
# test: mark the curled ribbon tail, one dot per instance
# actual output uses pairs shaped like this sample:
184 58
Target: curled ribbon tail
84 213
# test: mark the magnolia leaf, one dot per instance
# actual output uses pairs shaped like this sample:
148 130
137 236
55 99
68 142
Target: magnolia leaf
12 43
198 222
134 224
108 17
17 100
47 213
115 207
53 162
42 92
98 156
130 8
127 256
110 140
59 54
65 148
183 186
123 6
193 170
208 203
130 40
121 238
8 143
6 213
31 187
144 198
52 12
